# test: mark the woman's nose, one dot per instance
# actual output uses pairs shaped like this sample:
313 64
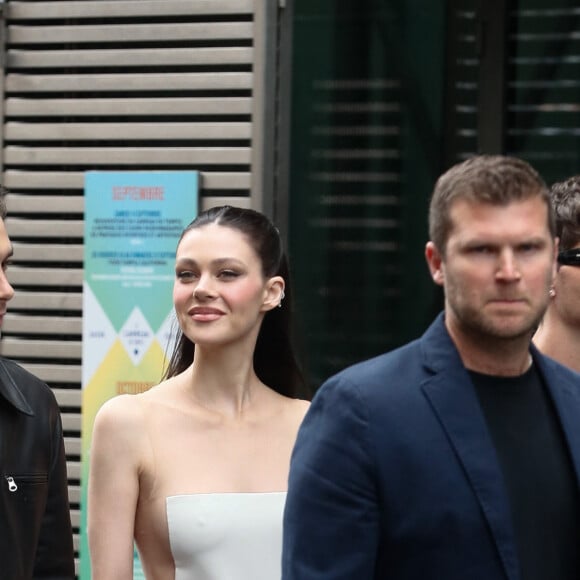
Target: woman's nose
204 288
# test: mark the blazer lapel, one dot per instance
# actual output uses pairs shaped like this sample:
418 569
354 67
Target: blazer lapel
453 399
564 388
455 403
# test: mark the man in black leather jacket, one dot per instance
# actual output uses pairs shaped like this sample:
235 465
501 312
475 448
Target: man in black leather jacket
35 527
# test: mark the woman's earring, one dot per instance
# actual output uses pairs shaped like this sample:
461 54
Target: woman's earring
281 298
552 292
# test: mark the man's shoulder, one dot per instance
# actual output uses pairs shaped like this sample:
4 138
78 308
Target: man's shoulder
17 381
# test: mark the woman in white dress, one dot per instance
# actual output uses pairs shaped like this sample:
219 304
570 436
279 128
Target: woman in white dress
195 469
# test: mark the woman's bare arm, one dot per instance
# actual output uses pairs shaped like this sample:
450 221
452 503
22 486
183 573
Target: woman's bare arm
113 489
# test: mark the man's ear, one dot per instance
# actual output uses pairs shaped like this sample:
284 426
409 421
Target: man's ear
435 263
274 293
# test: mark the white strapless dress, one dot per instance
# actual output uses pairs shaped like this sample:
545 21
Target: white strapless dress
226 536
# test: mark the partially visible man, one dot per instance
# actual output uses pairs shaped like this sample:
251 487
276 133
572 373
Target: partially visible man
456 456
559 333
35 527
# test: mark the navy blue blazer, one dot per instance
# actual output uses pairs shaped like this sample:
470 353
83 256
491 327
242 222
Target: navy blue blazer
394 474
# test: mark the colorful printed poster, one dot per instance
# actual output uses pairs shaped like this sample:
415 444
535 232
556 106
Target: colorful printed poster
133 221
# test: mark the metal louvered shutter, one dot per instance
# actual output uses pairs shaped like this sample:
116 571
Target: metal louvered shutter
543 110
513 82
462 81
119 85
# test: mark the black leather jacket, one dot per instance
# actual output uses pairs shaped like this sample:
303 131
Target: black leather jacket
35 527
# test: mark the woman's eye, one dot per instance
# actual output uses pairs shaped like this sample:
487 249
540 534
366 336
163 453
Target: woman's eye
185 275
228 274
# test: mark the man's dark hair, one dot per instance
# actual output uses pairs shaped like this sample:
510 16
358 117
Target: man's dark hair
493 179
565 197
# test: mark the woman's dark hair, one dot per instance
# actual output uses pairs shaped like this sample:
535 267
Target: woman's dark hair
275 362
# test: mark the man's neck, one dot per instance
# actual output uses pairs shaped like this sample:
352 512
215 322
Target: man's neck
493 356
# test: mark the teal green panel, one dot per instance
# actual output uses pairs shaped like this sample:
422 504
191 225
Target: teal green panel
132 223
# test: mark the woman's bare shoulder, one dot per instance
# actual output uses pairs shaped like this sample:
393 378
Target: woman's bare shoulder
121 407
123 415
128 417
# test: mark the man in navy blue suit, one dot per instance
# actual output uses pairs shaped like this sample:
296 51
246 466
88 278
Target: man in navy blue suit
456 456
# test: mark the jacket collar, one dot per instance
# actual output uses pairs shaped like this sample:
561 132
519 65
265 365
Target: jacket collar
10 391
454 401
563 384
